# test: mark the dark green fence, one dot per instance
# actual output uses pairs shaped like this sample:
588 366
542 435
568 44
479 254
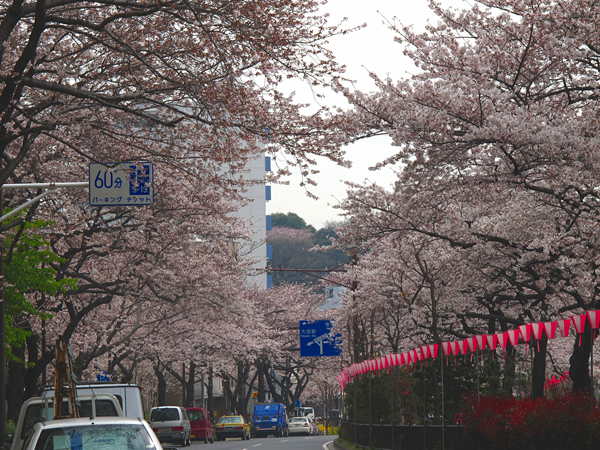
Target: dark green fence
407 437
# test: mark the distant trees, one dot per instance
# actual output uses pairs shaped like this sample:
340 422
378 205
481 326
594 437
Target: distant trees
292 240
290 220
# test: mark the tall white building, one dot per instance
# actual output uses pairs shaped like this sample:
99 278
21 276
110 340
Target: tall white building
255 215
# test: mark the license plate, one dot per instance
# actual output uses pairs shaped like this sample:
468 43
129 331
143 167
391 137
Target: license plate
229 428
192 436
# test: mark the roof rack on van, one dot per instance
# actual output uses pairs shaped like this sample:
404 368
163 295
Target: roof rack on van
49 387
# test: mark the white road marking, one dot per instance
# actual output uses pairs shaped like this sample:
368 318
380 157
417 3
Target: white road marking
326 444
256 445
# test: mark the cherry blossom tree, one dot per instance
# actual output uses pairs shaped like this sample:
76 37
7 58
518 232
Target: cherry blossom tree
191 87
496 136
161 80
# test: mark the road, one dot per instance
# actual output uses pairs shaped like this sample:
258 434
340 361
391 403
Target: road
270 443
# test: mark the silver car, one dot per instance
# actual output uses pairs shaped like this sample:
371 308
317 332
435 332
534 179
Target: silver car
101 433
171 424
300 425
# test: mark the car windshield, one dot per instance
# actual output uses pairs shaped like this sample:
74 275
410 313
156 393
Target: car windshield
164 415
36 412
95 437
230 420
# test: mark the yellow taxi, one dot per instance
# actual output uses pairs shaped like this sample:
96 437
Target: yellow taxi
232 426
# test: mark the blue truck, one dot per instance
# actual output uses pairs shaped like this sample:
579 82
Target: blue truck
270 418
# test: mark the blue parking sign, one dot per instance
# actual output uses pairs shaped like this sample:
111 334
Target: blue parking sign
129 183
316 339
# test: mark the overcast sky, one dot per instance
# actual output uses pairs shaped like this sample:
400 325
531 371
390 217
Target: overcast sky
371 48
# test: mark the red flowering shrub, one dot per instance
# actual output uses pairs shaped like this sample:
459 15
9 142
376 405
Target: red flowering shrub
563 422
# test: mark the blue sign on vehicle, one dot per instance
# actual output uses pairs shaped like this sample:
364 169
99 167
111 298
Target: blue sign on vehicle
316 339
103 376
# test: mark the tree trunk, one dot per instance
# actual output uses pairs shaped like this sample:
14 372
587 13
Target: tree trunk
161 386
189 395
15 384
538 379
210 403
31 376
33 373
239 389
508 382
437 398
579 370
261 396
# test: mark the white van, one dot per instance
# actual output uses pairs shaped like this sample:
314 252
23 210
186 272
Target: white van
41 409
129 395
307 411
171 424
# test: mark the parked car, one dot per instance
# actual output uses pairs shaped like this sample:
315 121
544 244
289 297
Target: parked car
114 433
41 409
171 424
202 427
232 426
270 418
300 425
314 426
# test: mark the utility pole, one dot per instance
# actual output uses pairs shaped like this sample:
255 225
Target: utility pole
183 382
355 350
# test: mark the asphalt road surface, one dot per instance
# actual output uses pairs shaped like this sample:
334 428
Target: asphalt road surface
269 443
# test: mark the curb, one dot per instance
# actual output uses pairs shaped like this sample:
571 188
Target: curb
336 446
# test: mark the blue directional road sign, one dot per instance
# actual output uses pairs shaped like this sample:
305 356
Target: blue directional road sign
316 339
130 183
